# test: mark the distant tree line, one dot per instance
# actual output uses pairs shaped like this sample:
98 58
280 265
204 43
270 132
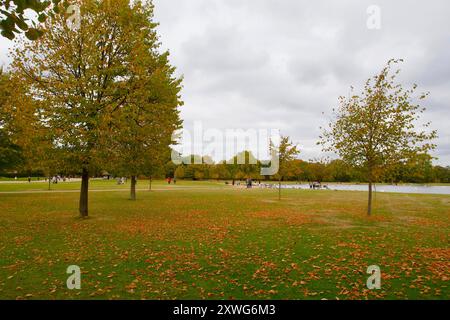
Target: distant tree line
420 171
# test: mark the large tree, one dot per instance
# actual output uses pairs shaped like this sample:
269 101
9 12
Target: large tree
380 127
142 128
83 77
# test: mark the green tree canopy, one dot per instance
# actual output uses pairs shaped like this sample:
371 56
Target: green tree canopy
10 153
13 19
141 129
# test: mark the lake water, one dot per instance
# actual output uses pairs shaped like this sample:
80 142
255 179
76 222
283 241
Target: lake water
418 189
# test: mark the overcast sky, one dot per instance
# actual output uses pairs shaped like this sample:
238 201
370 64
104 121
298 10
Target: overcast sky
282 63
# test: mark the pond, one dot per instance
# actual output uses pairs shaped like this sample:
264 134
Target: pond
418 189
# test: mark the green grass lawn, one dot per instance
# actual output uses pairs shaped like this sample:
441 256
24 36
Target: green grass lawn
208 241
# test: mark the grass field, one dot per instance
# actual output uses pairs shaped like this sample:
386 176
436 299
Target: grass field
209 241
99 185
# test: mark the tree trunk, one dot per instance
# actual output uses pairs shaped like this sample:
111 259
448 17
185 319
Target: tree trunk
84 193
49 184
369 210
150 185
133 188
279 189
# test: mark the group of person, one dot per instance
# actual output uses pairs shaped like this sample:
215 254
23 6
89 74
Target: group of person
170 180
249 183
55 179
317 185
121 180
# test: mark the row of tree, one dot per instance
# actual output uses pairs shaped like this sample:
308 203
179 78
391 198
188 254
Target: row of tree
420 171
322 170
101 96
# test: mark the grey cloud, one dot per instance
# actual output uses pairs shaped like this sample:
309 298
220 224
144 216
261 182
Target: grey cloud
266 63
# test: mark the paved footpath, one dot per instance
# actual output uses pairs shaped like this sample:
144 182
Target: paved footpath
113 190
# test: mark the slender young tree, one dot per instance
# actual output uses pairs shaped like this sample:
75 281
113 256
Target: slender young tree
287 152
379 128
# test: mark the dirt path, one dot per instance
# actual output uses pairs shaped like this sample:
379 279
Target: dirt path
112 190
